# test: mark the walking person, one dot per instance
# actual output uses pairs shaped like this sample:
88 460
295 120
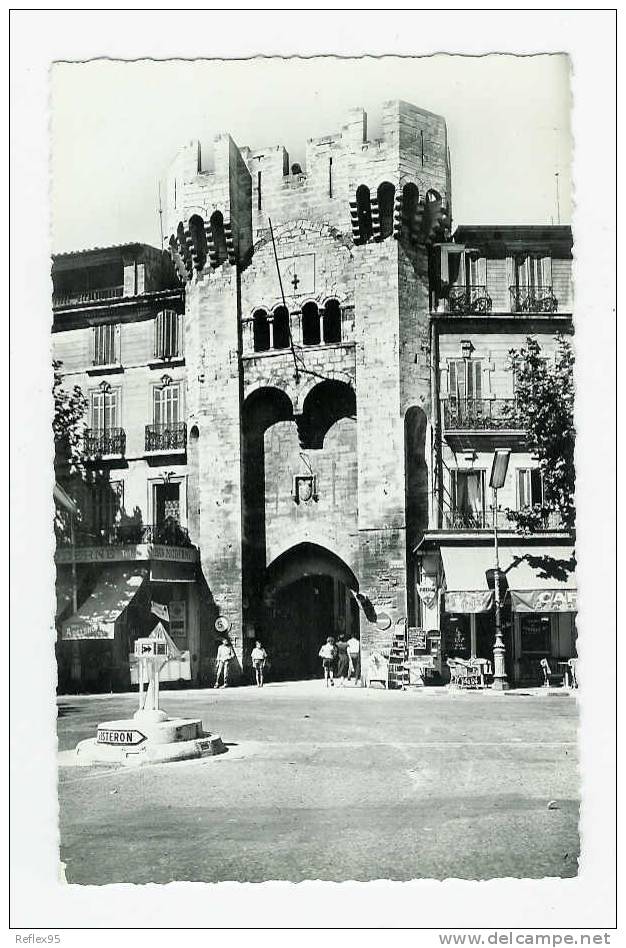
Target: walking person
259 658
343 663
328 654
225 655
354 658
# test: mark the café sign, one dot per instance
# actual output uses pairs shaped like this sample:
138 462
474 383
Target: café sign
544 600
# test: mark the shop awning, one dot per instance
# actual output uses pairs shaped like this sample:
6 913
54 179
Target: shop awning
116 588
540 579
465 569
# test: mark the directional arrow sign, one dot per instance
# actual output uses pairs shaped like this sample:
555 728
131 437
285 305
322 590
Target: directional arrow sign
127 737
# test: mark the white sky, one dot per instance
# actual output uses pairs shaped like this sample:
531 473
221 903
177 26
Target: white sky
117 125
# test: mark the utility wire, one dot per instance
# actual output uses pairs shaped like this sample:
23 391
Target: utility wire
298 361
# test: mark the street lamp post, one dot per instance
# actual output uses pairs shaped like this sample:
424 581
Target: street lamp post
496 481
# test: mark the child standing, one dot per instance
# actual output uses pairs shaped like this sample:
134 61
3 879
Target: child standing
328 654
259 658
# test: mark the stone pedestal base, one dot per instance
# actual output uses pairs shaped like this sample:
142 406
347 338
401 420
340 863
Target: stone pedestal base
148 737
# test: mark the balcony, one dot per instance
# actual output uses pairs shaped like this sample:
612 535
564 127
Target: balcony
533 299
168 533
484 520
166 439
72 297
105 443
469 300
481 414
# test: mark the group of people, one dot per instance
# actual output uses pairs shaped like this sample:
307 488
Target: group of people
226 654
340 658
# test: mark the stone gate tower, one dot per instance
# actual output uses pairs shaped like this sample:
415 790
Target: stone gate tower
308 365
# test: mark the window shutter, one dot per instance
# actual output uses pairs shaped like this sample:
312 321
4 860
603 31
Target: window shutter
462 266
118 343
452 380
522 489
476 365
521 268
179 334
481 271
157 405
444 381
546 271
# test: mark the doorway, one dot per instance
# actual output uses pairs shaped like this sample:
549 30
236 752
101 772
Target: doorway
308 596
166 503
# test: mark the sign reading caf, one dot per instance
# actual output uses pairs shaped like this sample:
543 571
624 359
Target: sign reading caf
544 600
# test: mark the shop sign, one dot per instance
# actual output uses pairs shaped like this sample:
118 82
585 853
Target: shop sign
427 593
77 631
120 552
417 637
469 601
544 600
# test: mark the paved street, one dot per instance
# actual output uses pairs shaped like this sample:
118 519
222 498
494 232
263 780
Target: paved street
331 784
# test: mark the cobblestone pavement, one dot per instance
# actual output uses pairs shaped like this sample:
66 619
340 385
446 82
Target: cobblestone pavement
331 784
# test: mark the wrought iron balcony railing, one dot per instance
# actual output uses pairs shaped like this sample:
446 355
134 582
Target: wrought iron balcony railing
484 520
533 299
87 296
105 442
171 437
168 533
481 414
469 299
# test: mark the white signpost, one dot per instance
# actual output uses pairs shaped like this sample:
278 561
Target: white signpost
150 736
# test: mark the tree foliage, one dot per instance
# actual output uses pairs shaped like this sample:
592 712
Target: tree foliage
68 426
545 406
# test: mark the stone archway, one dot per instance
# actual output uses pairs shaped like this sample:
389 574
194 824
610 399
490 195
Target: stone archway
308 595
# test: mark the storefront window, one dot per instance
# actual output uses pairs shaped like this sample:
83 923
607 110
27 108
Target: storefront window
535 634
458 637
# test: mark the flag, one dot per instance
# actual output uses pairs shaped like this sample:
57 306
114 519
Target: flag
161 611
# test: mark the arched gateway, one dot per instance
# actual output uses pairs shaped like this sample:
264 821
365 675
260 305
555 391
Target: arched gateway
308 595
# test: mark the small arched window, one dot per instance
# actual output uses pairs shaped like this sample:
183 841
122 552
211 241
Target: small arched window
332 321
386 195
198 239
281 328
219 238
310 325
261 331
410 201
364 211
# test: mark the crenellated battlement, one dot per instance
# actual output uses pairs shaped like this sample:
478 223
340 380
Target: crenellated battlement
396 186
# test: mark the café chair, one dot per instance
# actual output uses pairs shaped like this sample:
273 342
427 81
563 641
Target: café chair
550 677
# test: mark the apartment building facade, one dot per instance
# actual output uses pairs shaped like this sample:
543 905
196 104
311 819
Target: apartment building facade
494 287
118 334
